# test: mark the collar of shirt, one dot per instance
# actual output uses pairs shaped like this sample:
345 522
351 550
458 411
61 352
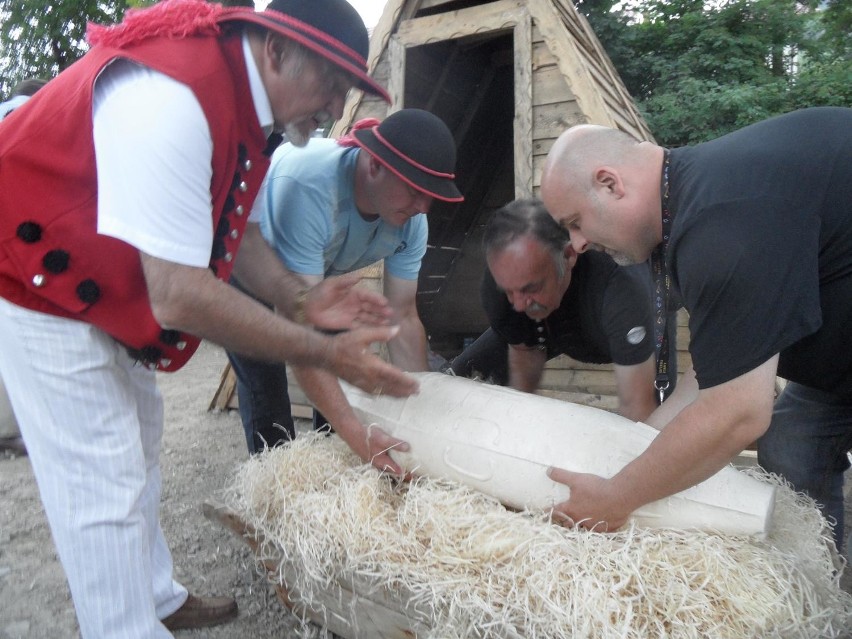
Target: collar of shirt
258 94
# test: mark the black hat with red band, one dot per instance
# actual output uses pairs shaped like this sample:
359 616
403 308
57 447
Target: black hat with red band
330 28
418 147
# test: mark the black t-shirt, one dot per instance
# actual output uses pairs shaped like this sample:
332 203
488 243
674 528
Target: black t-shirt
761 249
605 315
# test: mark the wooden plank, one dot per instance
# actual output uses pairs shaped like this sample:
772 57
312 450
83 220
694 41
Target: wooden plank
638 125
588 380
571 61
523 107
396 84
542 146
561 362
431 4
226 390
542 55
385 27
606 402
353 609
378 43
371 109
549 87
493 16
549 120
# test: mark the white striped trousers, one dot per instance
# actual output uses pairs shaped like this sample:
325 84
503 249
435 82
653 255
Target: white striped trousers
92 421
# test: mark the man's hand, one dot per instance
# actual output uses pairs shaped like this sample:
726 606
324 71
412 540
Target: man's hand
590 505
350 359
337 304
374 447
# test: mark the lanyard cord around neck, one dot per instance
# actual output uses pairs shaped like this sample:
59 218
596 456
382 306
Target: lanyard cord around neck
662 283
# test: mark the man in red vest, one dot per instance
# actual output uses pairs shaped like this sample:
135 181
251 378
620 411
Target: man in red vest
126 186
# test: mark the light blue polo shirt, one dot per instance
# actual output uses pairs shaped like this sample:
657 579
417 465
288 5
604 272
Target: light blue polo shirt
306 210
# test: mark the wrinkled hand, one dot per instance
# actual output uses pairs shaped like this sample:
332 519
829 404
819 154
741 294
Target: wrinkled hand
591 504
350 359
337 304
375 445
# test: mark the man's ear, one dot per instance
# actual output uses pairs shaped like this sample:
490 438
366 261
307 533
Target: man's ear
274 49
570 256
375 166
609 180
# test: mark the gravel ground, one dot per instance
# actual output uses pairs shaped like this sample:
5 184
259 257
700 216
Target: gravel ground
200 452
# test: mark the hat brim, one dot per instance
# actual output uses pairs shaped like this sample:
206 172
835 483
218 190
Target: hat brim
440 188
314 39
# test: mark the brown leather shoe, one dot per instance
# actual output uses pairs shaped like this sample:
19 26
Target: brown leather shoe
201 612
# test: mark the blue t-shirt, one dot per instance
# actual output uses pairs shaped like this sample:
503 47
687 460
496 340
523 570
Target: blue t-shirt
307 213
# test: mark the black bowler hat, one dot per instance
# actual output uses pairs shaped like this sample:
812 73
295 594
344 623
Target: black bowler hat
418 147
331 28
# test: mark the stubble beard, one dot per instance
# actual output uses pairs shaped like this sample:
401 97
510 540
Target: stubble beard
300 138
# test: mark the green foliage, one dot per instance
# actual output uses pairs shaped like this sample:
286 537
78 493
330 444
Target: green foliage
696 68
699 69
823 83
40 39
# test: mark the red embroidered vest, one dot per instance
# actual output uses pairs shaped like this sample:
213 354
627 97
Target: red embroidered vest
51 258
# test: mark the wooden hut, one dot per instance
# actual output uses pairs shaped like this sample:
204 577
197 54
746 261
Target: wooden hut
507 77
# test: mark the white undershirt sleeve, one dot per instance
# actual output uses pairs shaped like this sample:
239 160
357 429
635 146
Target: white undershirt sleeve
154 164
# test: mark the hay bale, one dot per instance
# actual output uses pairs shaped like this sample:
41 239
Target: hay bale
456 563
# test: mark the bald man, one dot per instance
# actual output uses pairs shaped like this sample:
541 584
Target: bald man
752 234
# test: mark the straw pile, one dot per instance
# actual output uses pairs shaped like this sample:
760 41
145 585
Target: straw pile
479 570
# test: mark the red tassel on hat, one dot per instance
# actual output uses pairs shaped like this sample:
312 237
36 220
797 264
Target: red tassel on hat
169 18
349 139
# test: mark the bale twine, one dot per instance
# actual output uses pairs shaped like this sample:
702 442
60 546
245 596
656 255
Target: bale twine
480 570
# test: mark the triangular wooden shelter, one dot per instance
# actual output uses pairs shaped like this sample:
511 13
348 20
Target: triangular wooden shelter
507 76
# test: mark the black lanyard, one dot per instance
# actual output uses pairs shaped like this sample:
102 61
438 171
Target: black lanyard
662 283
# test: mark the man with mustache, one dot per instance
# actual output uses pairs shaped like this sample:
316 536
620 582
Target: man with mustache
543 299
126 184
334 207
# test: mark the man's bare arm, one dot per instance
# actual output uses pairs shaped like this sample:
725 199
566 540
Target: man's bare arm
703 437
408 349
526 364
191 299
635 386
335 303
684 394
